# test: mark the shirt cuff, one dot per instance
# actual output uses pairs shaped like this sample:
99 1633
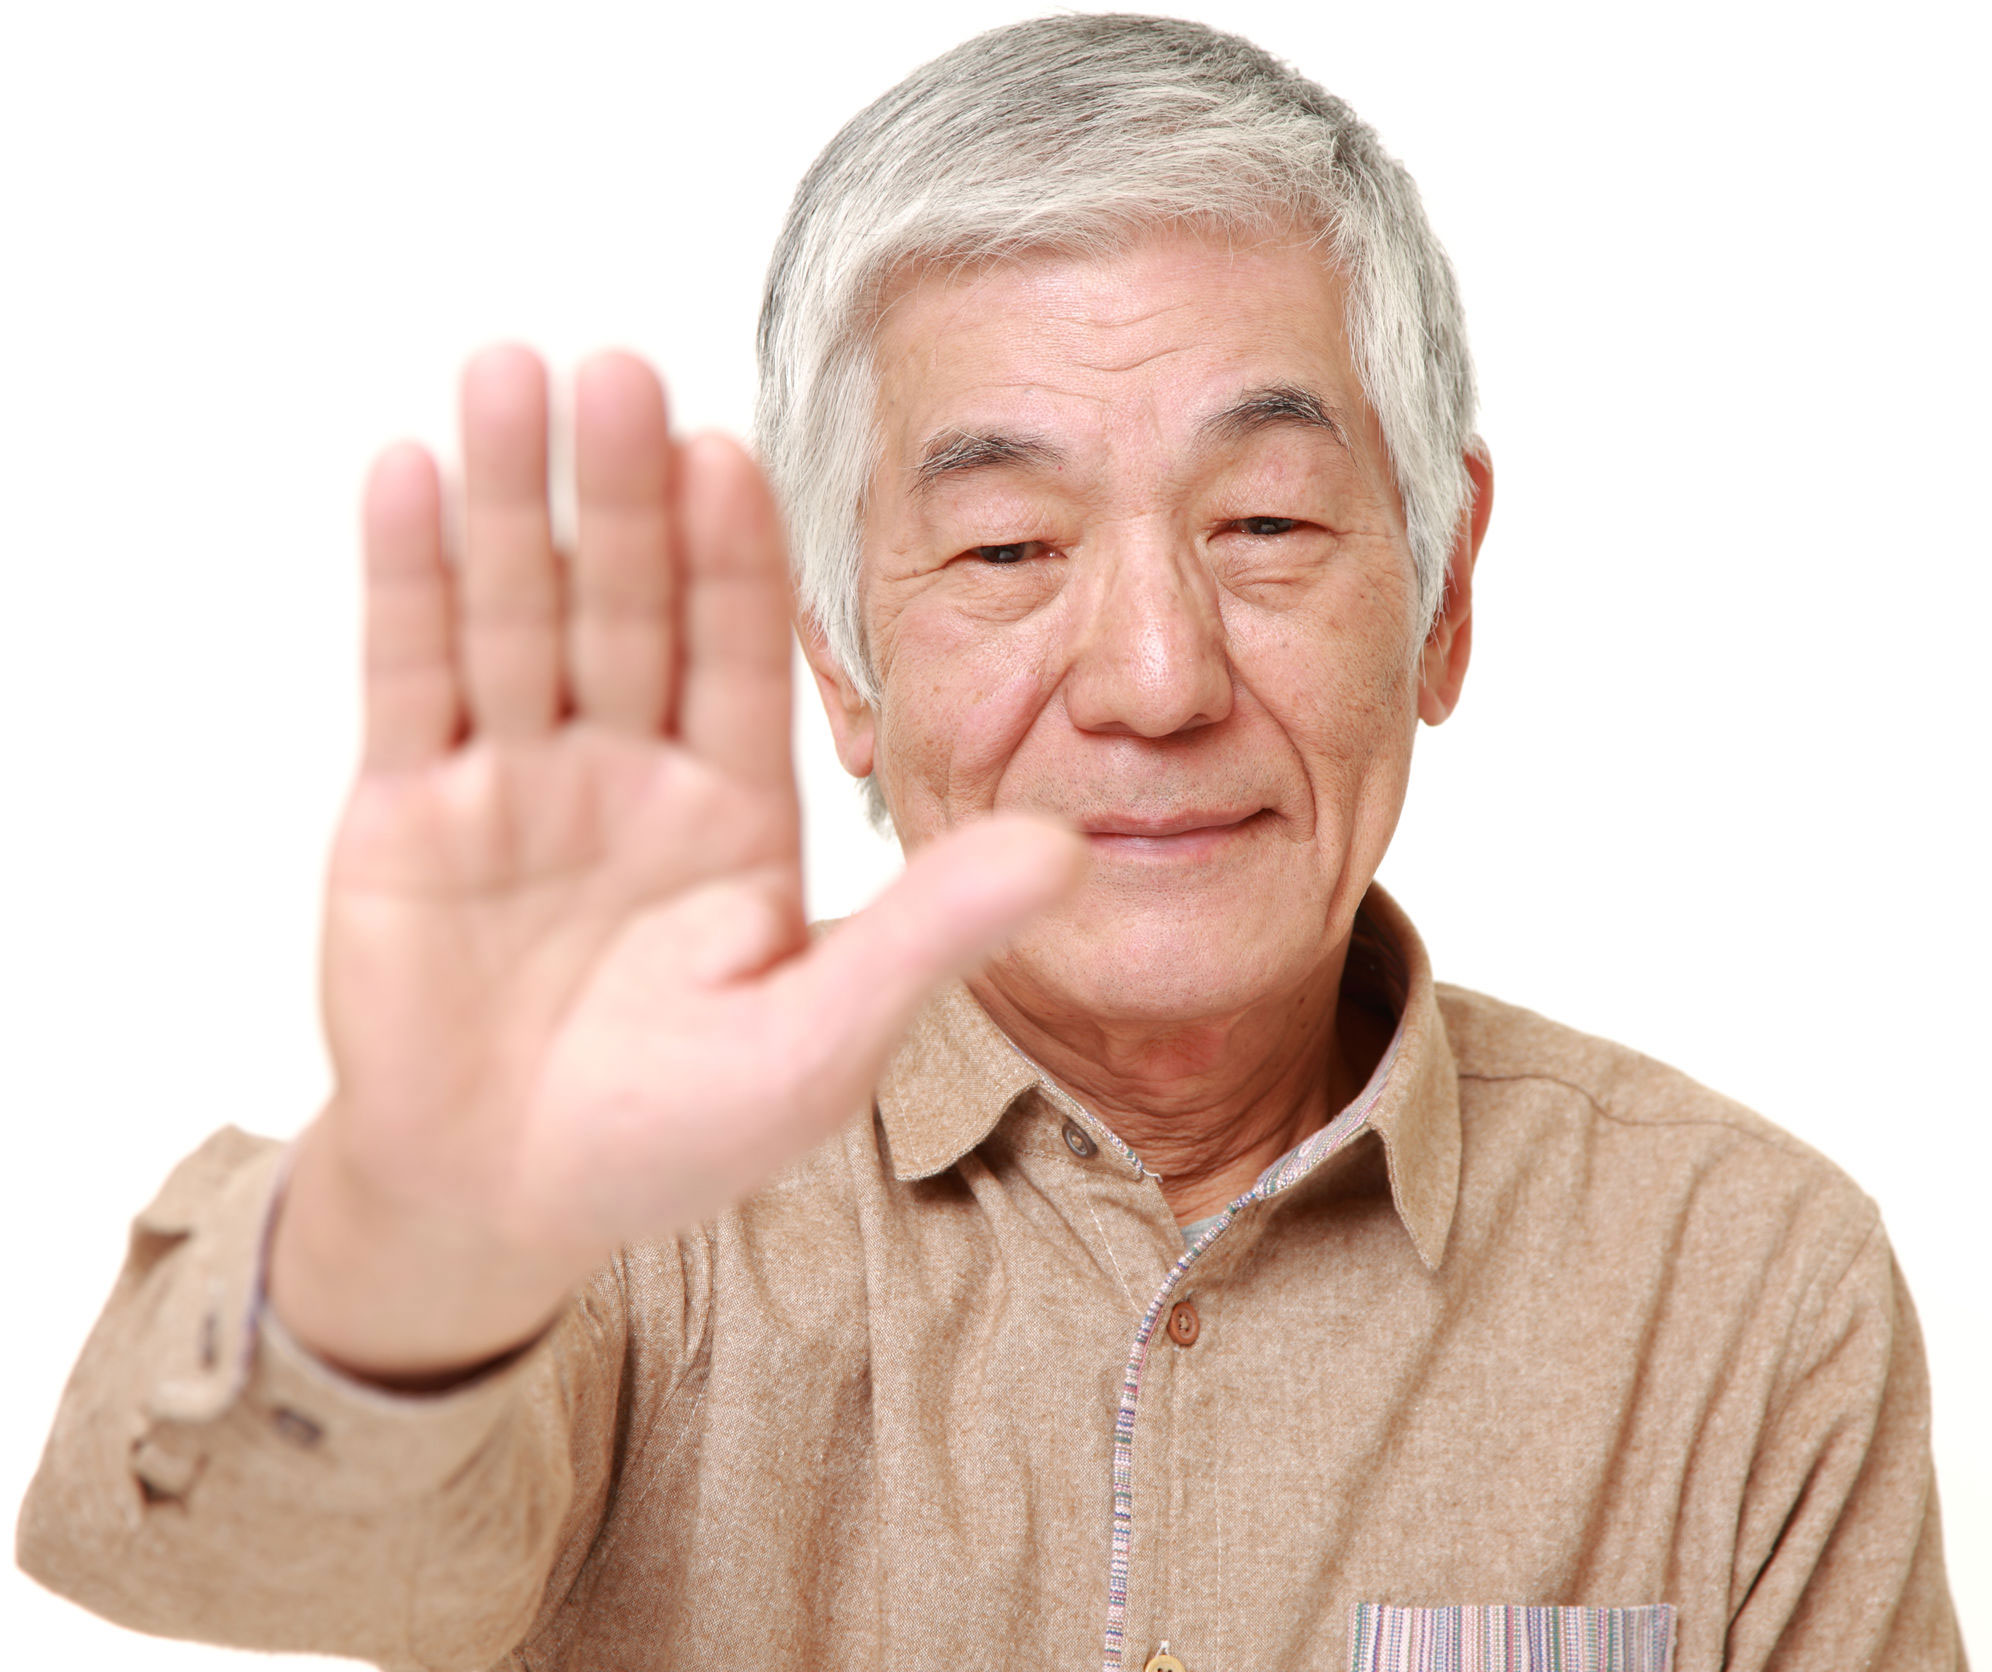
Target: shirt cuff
222 1363
321 1422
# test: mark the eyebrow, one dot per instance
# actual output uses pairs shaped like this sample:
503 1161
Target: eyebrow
1276 404
957 452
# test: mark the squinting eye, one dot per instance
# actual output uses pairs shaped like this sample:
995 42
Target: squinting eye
1015 552
1267 526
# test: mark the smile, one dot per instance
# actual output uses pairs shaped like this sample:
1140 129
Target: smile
1176 836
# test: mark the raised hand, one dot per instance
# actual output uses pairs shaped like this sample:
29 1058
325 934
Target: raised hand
568 989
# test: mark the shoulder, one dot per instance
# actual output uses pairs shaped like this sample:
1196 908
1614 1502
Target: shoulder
1495 1043
1609 1125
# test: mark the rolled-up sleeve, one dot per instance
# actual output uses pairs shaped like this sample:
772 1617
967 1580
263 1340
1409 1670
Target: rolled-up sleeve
207 1478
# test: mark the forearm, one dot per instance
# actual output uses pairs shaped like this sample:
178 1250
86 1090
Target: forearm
212 1480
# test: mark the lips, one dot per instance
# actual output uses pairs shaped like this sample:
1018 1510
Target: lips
1162 826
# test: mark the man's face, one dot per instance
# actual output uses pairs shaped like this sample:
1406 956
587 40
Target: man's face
1133 557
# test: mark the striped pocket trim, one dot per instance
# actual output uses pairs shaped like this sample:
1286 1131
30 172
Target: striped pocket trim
1498 1639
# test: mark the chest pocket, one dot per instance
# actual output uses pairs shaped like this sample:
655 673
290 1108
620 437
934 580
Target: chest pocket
1498 1639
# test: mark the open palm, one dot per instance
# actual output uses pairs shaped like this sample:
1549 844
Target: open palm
569 991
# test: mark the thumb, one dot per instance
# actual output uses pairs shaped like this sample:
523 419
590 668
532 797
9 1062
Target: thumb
961 897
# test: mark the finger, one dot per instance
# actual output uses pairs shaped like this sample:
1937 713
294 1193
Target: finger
511 576
733 703
961 897
619 626
413 706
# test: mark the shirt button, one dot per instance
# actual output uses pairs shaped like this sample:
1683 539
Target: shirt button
296 1427
1184 1324
1078 1143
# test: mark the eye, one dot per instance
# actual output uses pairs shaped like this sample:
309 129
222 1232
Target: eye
1015 552
1266 527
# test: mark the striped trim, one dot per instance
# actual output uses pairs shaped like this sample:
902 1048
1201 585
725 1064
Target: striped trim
1497 1639
1289 1170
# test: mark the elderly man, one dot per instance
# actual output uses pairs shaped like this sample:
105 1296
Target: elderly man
1110 1248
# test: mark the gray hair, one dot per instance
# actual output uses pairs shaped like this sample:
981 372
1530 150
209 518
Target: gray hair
1082 134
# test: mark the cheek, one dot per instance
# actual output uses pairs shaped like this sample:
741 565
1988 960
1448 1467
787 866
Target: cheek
1342 684
960 696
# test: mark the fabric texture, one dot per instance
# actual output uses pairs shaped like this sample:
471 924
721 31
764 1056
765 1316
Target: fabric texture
1385 1639
1535 1324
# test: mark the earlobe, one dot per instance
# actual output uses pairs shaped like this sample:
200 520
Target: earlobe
1449 646
852 723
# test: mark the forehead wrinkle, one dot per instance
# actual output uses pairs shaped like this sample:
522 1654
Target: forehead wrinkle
1134 362
1089 316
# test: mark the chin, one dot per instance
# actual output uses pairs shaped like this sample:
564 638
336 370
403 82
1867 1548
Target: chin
1161 967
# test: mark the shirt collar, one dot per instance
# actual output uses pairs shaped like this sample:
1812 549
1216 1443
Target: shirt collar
1416 1113
949 1083
956 1074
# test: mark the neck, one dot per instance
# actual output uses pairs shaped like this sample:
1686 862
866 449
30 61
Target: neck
1207 1104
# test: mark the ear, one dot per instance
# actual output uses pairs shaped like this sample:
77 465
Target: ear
1442 663
851 720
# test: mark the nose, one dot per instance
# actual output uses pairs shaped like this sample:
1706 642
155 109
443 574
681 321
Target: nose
1148 655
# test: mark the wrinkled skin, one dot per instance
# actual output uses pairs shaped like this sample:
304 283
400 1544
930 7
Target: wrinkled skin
1197 640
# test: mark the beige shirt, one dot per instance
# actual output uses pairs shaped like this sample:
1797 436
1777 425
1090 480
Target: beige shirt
1534 1322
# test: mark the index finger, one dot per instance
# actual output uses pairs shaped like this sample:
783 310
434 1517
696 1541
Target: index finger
737 645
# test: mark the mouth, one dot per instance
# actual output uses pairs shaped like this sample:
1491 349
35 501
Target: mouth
1178 835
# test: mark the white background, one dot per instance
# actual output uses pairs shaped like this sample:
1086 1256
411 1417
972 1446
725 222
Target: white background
1718 786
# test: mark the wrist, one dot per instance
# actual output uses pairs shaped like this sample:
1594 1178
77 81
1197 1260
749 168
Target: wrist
393 1293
